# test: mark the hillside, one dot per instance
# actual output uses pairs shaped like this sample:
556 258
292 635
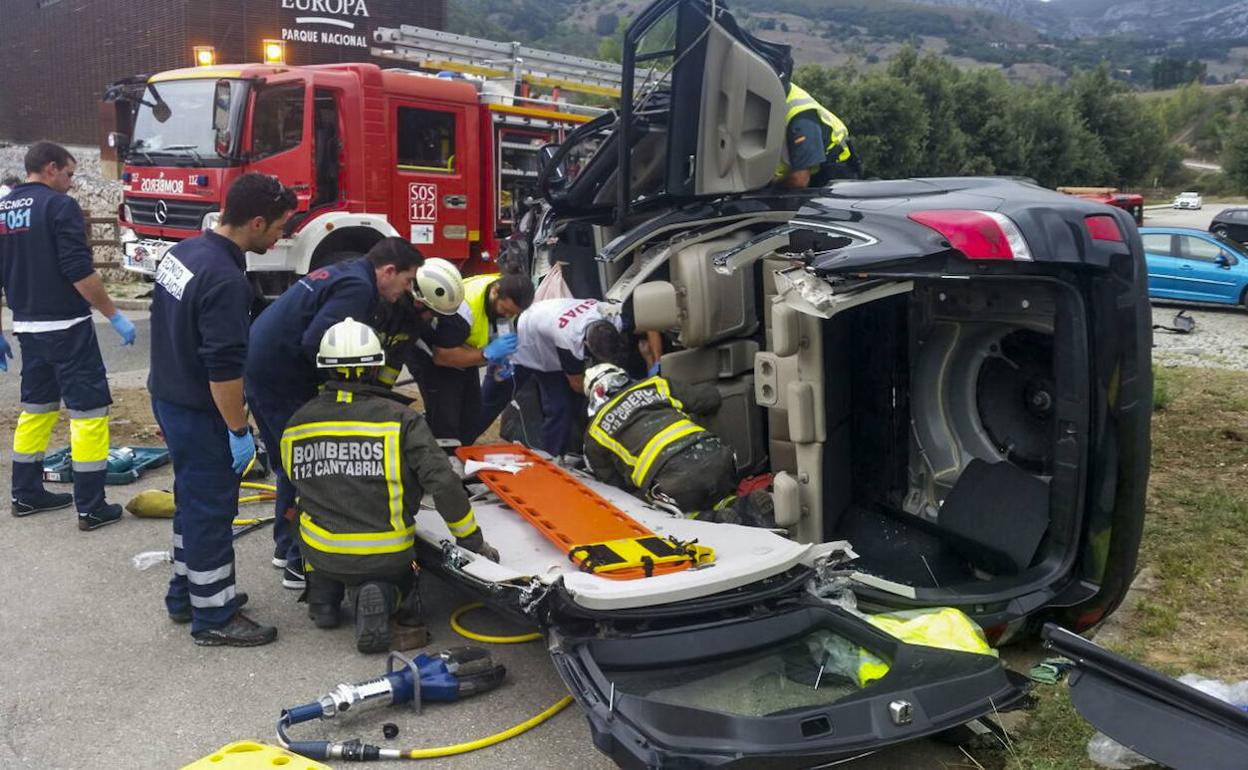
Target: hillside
1029 40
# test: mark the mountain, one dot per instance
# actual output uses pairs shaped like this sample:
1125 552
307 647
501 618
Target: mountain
1192 20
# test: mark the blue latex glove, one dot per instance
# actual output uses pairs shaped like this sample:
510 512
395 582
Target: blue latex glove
243 448
654 370
123 327
503 371
6 352
498 350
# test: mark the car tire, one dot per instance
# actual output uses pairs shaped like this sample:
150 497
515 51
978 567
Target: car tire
1221 232
1243 299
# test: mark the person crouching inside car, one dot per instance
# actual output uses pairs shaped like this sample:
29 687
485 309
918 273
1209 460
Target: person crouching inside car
360 461
641 438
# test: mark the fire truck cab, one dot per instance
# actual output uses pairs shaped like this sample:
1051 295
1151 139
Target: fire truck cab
369 152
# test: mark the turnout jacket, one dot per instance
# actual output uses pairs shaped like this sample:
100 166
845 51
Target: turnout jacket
643 426
361 461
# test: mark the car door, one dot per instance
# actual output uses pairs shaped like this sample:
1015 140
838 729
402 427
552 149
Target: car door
433 188
1165 720
1204 270
1160 251
1237 225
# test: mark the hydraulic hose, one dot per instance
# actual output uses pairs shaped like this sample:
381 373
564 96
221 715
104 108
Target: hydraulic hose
356 751
476 637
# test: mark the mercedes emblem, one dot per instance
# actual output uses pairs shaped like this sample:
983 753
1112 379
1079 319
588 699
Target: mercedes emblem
162 212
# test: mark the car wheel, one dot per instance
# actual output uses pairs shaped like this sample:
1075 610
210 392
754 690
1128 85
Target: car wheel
1243 299
1221 232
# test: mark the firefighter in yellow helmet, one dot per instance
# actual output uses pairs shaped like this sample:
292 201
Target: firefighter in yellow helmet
816 145
361 461
642 438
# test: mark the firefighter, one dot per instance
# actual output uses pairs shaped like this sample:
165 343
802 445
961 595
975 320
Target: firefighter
816 145
416 329
281 373
556 337
641 438
200 313
361 462
47 276
452 387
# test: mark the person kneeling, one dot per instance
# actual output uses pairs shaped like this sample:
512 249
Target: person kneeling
360 461
641 438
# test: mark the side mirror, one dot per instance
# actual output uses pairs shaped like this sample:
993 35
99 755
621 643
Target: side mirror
221 99
119 142
1225 260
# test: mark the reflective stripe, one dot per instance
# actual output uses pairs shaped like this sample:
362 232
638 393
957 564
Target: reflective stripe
55 406
37 327
465 526
75 414
219 599
179 568
88 440
345 397
209 576
476 294
34 431
28 457
177 541
389 375
362 543
608 441
388 431
658 443
799 101
90 466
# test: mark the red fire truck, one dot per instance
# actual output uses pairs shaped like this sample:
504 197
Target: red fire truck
370 152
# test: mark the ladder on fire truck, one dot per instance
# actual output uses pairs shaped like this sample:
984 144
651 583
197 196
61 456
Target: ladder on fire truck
433 49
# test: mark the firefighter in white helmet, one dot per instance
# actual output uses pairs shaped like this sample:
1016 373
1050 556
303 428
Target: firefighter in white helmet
642 438
361 461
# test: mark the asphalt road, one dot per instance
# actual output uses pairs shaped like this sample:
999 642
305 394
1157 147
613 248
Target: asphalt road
1199 218
126 365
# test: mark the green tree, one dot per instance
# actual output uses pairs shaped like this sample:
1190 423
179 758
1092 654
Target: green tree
1235 156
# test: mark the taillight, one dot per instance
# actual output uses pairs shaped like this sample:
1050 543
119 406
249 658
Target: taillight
977 234
1103 227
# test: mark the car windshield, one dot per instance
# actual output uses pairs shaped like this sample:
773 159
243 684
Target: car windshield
175 118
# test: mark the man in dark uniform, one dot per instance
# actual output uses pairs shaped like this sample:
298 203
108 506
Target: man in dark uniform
281 373
46 273
816 145
641 438
200 317
361 461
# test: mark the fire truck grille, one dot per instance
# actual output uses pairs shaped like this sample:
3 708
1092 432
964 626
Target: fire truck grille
183 215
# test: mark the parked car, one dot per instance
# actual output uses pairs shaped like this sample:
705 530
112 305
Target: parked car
1189 264
1188 200
1232 224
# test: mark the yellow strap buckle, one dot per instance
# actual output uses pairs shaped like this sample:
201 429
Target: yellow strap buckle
643 553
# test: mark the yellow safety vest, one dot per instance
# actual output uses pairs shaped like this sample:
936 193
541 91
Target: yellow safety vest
800 101
476 294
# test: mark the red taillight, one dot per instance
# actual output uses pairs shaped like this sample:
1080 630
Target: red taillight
977 234
1103 227
1088 619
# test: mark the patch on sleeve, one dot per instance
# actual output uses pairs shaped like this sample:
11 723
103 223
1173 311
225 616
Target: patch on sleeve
173 276
799 139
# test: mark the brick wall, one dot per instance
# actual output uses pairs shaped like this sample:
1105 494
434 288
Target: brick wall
59 55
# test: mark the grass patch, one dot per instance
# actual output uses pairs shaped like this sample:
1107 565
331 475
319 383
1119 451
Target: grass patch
1195 538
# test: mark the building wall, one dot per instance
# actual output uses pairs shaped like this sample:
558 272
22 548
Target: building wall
59 55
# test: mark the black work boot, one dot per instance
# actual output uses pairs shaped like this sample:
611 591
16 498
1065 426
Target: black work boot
108 513
43 501
184 616
324 598
239 631
374 603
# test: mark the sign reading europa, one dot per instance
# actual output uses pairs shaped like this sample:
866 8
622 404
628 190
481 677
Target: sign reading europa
301 33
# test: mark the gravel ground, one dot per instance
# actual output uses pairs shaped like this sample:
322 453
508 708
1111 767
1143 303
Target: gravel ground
1219 341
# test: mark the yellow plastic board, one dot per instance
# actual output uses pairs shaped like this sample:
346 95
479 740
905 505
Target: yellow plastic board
249 755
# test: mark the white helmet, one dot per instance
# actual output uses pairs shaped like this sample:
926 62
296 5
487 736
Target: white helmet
439 286
350 343
602 381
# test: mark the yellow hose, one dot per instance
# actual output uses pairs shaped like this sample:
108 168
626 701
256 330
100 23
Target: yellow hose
256 498
258 485
481 743
474 636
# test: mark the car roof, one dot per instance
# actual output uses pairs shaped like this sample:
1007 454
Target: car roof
1175 231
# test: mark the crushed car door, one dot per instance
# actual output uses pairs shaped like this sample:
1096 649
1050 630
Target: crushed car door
1151 714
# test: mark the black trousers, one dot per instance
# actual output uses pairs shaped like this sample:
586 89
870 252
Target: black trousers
699 476
452 401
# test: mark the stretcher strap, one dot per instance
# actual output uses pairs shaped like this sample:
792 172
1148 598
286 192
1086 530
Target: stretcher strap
641 552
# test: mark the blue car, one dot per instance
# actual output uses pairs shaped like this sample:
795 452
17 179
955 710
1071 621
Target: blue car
1196 266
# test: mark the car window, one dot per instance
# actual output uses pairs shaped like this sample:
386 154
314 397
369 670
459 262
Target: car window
426 140
1158 244
1239 215
1198 248
277 124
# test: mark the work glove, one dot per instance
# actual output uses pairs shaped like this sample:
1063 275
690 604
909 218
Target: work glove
242 448
6 352
502 346
653 371
123 327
